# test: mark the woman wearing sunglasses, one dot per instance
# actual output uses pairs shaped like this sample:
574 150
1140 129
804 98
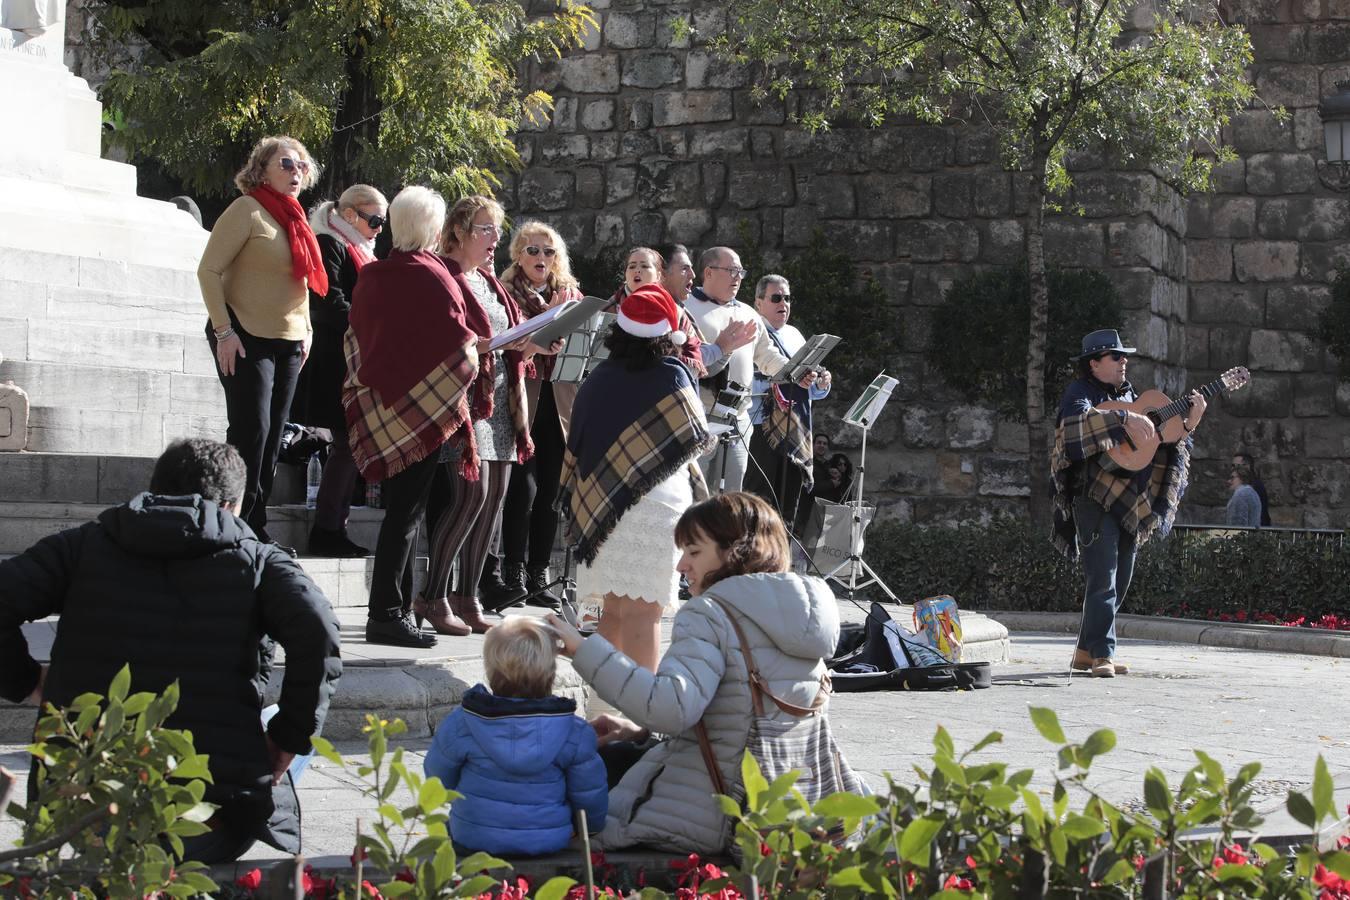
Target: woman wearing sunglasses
257 271
538 279
346 232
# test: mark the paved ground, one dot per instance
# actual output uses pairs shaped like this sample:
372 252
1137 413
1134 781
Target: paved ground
1238 705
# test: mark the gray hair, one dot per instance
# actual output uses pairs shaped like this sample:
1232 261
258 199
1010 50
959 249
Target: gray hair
713 256
415 218
762 286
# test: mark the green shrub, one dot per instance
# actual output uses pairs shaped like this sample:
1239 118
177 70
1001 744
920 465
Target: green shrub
978 343
1008 565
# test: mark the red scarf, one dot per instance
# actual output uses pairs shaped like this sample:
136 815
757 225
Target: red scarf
306 261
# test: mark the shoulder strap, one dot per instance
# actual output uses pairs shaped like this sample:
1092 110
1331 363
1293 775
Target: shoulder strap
759 686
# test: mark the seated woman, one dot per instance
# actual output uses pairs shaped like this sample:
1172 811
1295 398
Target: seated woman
735 550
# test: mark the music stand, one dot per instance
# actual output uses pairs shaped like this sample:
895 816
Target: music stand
862 414
583 350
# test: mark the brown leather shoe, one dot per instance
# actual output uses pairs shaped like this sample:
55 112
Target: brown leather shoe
438 613
1083 662
468 609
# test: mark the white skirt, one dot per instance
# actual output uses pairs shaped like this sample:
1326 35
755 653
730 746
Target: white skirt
638 558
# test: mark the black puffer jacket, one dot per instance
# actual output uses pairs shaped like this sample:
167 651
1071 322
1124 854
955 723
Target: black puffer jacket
180 589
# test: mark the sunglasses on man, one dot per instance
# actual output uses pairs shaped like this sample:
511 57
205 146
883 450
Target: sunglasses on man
780 297
548 252
1114 357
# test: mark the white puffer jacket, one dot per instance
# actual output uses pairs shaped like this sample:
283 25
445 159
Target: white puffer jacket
792 623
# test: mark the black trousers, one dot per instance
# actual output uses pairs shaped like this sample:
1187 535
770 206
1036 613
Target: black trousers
404 497
529 523
780 482
257 401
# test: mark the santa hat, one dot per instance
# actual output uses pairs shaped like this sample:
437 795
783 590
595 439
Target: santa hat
650 312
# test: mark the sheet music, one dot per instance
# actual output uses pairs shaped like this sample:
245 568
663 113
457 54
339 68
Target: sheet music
530 326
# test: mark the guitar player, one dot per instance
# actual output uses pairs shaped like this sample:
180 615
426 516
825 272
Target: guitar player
1103 512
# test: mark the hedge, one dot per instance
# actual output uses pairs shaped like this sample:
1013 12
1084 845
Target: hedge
1251 576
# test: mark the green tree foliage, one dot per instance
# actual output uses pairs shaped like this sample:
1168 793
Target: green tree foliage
1055 76
1334 323
977 351
382 91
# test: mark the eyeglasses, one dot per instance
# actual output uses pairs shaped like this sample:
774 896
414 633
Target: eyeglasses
375 222
294 165
485 230
779 298
734 271
548 252
1114 357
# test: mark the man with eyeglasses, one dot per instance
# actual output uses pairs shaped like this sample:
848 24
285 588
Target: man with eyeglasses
735 344
1103 513
781 445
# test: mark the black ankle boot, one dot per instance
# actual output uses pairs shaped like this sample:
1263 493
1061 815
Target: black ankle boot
400 632
334 544
536 582
497 592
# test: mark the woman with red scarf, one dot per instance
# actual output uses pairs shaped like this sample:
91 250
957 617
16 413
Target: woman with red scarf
257 270
346 231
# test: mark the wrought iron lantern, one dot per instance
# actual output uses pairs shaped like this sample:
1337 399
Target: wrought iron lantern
1335 114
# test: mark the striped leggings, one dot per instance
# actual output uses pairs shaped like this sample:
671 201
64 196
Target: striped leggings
465 530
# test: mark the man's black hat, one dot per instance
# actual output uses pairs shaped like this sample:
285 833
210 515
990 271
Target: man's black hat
1103 341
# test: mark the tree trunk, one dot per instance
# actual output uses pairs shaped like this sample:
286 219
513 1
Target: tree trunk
356 125
1038 444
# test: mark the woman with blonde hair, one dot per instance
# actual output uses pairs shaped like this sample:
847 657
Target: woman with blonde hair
346 232
499 413
538 279
411 359
256 272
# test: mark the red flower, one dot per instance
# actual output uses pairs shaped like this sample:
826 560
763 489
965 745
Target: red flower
1139 862
765 849
971 863
597 858
911 878
250 881
318 888
406 875
957 883
1332 885
1241 616
360 850
369 890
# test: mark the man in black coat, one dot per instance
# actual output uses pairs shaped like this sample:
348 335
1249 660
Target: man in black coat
175 585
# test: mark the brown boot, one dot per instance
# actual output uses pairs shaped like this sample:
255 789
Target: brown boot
1102 668
438 613
468 609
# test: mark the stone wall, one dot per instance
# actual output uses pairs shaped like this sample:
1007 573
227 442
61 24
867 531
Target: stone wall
654 138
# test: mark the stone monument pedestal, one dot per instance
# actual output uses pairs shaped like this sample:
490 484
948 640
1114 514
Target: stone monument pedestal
101 319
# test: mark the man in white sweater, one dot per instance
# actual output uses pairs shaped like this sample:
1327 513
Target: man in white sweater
735 343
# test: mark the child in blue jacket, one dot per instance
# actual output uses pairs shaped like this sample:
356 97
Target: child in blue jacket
522 758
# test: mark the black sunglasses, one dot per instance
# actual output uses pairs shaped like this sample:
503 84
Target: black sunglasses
1114 357
780 298
373 221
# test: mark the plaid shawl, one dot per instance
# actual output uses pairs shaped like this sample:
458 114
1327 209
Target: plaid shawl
410 360
630 431
787 420
532 303
1144 502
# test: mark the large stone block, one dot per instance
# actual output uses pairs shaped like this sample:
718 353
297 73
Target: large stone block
598 115
688 226
993 194
1232 217
590 187
1209 260
1114 193
609 230
1314 395
1288 85
830 195
1228 346
620 183
1004 476
1296 306
1283 351
1329 43
654 70
970 427
1321 262
1004 242
661 183
545 189
1228 303
914 148
1269 395
935 241
647 229
753 188
1074 243
1258 131
953 196
590 73
895 196
1279 43
627 31
1265 260
975 146
922 426
13 418
564 116
564 148
690 107
1281 173
714 142
1138 243
707 69
1304 218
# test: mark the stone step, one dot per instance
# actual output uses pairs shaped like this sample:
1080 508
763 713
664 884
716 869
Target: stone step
94 174
159 278
113 347
186 315
80 387
65 430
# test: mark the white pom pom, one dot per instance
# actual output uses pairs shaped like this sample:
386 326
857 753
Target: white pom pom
678 338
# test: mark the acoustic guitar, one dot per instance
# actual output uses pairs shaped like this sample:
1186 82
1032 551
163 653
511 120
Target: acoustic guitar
1167 416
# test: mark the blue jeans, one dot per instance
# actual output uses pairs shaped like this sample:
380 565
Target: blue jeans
1108 564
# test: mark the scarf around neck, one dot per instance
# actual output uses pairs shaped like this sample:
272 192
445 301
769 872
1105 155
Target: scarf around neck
306 260
361 249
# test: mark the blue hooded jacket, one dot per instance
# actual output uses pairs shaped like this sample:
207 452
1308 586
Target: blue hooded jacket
524 768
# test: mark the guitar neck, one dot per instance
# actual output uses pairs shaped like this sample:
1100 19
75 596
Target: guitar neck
1182 405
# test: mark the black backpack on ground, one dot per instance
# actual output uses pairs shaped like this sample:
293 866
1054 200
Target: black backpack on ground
880 655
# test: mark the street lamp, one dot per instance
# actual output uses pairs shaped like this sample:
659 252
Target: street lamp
1335 113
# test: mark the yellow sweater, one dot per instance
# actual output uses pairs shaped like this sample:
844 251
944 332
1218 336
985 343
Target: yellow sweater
247 267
